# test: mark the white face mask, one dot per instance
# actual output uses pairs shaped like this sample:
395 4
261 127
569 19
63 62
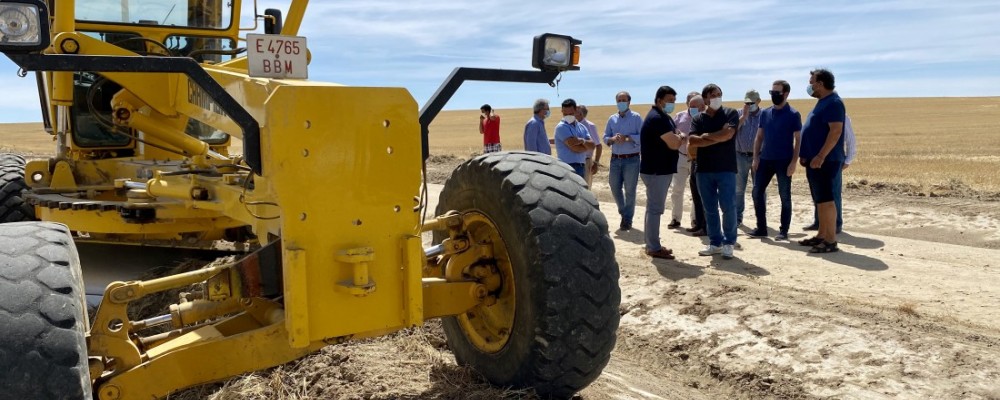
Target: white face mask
715 103
569 119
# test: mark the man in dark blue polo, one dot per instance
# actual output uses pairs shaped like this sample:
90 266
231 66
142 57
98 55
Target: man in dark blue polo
572 139
660 140
822 154
712 133
774 150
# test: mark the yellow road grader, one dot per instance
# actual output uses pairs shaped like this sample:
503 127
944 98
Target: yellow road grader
144 98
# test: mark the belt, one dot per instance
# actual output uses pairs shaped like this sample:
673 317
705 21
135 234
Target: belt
576 164
625 155
748 154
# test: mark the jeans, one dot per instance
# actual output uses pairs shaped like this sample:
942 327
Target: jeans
743 167
624 175
698 216
762 178
656 198
679 183
718 191
838 184
580 169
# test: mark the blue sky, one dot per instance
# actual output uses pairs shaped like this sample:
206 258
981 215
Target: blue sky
893 48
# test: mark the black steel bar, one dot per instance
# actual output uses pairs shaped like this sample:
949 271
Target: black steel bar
184 65
430 110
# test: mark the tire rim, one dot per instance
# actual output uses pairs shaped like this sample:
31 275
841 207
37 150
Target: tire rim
488 327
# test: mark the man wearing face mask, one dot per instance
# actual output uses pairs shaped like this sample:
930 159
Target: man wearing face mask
658 164
683 122
712 133
777 143
622 135
745 134
696 106
572 139
594 156
822 154
535 137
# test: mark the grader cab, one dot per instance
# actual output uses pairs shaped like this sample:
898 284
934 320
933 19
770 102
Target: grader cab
146 101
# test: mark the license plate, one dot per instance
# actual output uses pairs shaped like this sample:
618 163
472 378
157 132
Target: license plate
276 56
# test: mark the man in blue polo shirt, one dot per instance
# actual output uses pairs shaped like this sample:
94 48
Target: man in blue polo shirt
712 133
774 150
822 154
622 135
572 139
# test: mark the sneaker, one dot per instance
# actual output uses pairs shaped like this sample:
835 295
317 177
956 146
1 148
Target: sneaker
781 236
727 251
811 227
674 224
663 253
711 250
759 232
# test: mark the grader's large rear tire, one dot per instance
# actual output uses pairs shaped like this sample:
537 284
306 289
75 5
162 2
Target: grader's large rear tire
560 294
43 353
12 185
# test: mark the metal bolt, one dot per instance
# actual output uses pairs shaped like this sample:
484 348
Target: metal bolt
111 392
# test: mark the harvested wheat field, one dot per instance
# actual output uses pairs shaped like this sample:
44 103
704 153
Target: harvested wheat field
908 309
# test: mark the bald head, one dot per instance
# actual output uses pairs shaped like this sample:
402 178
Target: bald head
697 102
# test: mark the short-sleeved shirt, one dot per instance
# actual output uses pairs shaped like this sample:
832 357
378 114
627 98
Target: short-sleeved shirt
817 127
491 130
683 120
592 129
565 131
535 138
719 157
657 158
628 125
779 125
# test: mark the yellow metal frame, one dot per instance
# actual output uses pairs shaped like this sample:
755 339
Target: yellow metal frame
341 178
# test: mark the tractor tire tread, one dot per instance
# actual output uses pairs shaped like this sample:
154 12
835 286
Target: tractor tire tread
43 350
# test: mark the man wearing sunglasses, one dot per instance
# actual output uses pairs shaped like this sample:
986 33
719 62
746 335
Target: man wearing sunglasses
775 147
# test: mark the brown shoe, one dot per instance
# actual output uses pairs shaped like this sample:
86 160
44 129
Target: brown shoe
674 224
663 253
693 229
700 232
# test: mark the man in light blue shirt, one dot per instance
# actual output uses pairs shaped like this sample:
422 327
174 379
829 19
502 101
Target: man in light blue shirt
622 135
535 137
573 141
745 135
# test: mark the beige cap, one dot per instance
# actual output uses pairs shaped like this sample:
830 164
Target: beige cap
752 96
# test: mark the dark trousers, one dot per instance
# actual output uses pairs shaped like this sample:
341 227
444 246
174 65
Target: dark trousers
699 209
838 187
767 169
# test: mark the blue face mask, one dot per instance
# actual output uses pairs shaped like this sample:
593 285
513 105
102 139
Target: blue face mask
622 106
809 90
668 108
694 112
548 113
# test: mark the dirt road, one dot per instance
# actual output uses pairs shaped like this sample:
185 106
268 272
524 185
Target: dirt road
886 317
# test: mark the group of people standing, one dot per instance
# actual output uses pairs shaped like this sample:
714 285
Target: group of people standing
715 149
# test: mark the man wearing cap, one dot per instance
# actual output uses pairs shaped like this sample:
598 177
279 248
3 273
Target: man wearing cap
745 134
622 135
572 139
489 127
778 141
